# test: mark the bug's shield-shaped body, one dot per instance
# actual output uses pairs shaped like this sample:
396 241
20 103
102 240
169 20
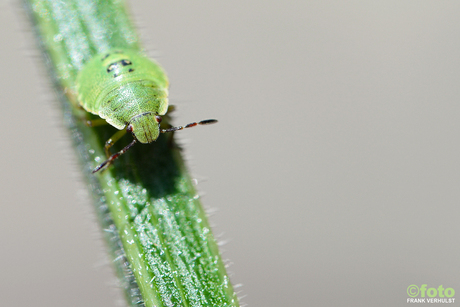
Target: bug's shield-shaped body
125 87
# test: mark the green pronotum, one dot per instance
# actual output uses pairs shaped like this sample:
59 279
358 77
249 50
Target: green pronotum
157 230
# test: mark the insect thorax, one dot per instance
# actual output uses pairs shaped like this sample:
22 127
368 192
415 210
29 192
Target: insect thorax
121 84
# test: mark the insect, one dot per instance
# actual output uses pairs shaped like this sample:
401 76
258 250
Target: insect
130 92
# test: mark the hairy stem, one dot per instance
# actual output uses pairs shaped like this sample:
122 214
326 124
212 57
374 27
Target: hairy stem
156 229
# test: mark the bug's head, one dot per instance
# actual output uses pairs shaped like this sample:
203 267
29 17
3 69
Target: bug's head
145 127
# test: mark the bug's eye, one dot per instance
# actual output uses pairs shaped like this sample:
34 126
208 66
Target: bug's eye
129 128
158 118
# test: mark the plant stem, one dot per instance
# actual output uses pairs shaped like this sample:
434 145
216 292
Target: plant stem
156 228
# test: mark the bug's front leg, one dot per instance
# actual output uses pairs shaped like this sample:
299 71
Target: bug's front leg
113 157
95 122
109 143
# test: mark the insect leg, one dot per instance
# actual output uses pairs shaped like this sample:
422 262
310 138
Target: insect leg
95 122
113 140
113 157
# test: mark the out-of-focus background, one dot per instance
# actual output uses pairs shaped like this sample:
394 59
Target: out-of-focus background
334 169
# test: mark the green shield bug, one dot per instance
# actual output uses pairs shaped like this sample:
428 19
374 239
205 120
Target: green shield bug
130 92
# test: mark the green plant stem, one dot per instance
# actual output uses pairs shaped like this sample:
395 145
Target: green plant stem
156 228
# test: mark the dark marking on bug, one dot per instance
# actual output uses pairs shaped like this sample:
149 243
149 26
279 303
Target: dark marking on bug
115 65
145 132
115 75
130 70
140 115
112 66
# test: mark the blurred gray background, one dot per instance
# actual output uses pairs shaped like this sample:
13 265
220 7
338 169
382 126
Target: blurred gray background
334 169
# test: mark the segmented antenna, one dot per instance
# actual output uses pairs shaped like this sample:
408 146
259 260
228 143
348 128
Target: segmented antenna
203 122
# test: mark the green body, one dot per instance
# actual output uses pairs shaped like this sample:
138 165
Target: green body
155 226
124 87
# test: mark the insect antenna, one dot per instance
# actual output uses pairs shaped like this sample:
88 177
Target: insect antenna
203 122
113 157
